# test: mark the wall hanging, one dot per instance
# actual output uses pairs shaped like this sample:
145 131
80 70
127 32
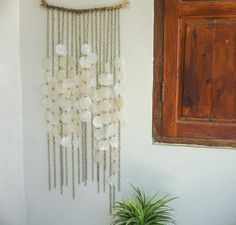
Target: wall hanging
83 97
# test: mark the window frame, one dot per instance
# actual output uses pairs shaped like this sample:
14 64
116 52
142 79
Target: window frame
158 90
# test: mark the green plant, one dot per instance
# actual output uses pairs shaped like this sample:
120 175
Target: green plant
141 210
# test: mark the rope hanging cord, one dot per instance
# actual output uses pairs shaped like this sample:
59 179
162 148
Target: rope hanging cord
123 4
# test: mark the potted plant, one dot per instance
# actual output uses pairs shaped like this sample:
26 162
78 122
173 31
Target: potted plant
143 210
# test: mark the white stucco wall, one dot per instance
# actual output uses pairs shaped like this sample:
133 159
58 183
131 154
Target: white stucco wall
12 204
204 179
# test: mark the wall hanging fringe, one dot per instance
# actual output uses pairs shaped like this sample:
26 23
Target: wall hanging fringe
83 98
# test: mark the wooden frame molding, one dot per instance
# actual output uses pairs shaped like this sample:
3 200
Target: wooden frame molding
194 99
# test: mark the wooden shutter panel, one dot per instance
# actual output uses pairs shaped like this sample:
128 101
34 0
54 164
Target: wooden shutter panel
199 73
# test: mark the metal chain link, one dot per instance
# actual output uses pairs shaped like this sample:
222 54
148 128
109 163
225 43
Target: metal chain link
73 167
48 135
53 73
103 71
78 41
119 125
49 162
97 47
92 128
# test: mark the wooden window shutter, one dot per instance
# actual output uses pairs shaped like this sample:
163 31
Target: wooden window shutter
194 96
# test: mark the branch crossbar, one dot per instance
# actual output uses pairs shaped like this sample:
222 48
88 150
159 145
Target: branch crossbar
123 4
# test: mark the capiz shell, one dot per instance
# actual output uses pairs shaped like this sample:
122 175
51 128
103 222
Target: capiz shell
85 62
114 142
62 62
68 83
118 89
100 133
84 103
66 142
61 74
97 122
102 145
104 93
106 79
98 156
85 116
86 49
61 50
105 106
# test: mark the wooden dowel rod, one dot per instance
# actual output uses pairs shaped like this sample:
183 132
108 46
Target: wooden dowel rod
123 4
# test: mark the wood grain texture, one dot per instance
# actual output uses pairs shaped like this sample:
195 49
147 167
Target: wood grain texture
199 73
158 68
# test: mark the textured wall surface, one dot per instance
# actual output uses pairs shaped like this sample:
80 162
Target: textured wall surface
204 179
12 206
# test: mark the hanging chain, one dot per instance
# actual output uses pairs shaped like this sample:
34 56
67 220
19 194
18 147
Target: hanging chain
104 39
73 166
53 73
49 162
92 128
78 41
61 125
97 48
48 135
119 125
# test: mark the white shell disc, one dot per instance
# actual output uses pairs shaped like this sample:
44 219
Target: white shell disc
103 145
104 92
66 105
61 50
66 117
112 129
106 79
118 89
106 119
61 75
59 89
86 49
72 73
84 103
112 180
85 116
66 141
120 76
98 156
85 62
86 90
96 109
62 62
85 77
48 76
97 121
119 102
46 91
68 83
114 142
100 133
53 81
105 106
